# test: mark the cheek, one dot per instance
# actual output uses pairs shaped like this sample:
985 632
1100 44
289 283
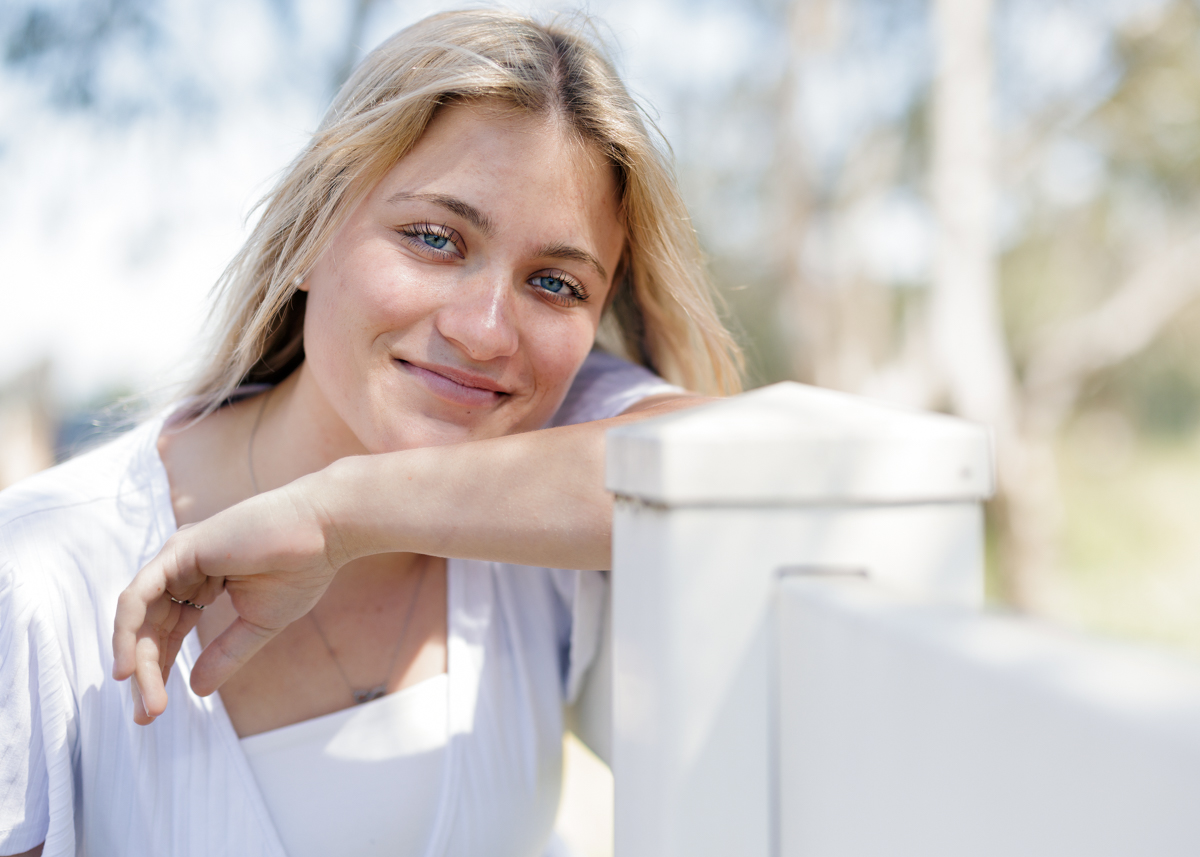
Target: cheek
328 329
341 329
350 306
557 355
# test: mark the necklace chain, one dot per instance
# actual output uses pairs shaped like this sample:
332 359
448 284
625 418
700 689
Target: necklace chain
370 693
366 694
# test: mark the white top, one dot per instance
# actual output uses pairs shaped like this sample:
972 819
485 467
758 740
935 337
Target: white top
76 772
362 781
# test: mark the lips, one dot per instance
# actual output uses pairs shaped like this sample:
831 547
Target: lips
455 385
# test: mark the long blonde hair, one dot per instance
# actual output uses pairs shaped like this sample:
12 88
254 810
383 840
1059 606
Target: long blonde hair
662 313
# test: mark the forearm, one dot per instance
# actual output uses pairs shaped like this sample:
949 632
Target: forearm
536 498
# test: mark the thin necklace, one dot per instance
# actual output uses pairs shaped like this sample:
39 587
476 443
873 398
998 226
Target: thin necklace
370 693
366 694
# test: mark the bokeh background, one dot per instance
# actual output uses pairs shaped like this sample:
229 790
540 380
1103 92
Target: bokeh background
991 209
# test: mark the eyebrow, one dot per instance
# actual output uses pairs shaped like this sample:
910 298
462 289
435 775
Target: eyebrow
484 224
465 210
575 254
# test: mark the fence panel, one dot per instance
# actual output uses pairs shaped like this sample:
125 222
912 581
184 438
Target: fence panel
918 730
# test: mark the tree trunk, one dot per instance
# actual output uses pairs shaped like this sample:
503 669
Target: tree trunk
966 335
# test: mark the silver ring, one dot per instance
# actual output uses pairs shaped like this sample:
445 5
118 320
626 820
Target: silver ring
185 602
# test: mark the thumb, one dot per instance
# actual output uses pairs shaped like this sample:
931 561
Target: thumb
228 653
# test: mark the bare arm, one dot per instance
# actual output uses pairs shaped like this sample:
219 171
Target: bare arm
534 499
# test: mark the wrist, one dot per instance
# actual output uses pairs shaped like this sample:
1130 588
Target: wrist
325 498
353 526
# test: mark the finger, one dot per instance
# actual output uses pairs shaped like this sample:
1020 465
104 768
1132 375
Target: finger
140 717
189 617
207 592
227 654
132 606
149 672
174 568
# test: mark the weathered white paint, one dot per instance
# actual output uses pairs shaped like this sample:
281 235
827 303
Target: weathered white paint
711 505
914 730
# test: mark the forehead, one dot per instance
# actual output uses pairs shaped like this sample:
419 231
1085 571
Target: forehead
498 129
499 157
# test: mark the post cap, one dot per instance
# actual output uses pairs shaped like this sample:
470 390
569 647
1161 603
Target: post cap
794 444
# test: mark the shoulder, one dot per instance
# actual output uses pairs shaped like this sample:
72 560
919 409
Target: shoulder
606 386
101 474
74 515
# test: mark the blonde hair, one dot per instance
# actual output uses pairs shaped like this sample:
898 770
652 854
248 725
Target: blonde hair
662 312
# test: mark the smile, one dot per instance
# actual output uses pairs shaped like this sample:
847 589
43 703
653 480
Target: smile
455 386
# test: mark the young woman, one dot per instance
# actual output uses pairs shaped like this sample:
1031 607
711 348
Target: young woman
402 421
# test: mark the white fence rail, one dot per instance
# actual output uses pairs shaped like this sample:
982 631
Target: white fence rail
798 666
933 731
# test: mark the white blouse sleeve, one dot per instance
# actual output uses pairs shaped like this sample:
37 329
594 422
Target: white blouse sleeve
24 779
584 594
607 386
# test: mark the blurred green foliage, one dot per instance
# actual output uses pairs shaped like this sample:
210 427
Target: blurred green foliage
1145 138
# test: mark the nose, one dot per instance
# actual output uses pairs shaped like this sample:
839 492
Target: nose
480 319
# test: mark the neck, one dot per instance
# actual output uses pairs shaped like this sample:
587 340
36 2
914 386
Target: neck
299 433
208 462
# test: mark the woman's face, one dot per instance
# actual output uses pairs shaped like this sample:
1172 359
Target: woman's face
461 296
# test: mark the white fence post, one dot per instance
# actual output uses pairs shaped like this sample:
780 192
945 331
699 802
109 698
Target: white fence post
712 504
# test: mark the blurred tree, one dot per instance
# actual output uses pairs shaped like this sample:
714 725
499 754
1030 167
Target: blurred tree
69 48
1141 130
117 60
1102 255
25 425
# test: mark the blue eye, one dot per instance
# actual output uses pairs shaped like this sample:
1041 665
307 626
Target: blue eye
445 243
560 288
550 284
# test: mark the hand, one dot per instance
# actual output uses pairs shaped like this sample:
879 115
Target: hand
272 553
